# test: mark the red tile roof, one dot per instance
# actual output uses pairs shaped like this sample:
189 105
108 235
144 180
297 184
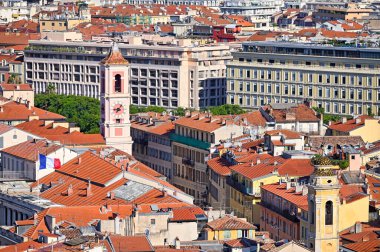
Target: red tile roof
130 243
374 189
14 87
115 57
253 170
186 213
296 167
240 243
159 129
350 124
21 247
288 134
220 166
75 175
302 113
61 134
290 195
13 38
13 111
253 143
30 149
229 222
203 124
368 246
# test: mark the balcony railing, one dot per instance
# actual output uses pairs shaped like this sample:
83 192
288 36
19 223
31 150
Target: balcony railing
189 141
240 187
283 212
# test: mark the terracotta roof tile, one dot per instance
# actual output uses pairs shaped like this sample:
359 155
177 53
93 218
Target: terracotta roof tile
186 213
220 165
13 111
368 246
21 247
29 149
350 124
229 223
14 87
61 134
130 243
301 112
115 57
290 195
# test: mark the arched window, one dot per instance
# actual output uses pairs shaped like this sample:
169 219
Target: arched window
329 213
117 83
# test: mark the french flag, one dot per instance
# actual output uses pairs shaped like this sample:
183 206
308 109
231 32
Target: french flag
49 163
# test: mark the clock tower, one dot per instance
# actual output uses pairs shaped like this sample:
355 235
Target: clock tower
114 101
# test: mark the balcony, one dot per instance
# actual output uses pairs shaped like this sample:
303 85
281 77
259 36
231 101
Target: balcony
189 141
187 161
240 187
283 212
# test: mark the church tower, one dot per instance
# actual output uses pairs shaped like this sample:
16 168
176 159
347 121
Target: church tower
114 101
323 202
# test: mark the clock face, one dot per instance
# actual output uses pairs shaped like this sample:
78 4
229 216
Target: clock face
118 109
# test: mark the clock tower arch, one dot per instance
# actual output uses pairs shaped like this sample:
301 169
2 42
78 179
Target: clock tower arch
115 99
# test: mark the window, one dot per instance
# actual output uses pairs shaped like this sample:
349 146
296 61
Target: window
117 83
153 221
329 213
227 234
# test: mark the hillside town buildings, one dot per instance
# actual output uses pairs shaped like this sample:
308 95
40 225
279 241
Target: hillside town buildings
221 126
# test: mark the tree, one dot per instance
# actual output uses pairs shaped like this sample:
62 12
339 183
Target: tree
226 109
81 110
14 79
179 111
50 89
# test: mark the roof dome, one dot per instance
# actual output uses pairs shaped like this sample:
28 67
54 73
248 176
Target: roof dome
114 57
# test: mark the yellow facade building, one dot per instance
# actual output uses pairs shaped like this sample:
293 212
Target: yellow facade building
366 127
332 207
256 170
228 228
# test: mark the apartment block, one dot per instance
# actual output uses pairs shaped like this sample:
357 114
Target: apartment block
342 80
173 74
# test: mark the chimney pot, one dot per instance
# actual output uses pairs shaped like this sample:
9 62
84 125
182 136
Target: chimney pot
79 160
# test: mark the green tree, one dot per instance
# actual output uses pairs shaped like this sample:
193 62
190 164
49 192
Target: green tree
226 109
81 110
14 79
179 111
50 89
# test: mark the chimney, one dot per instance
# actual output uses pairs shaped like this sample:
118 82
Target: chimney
288 185
164 193
358 120
344 119
1 109
177 243
35 219
17 87
358 227
79 160
258 161
88 189
112 195
70 190
29 105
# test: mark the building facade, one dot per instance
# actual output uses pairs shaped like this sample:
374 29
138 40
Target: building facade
342 80
178 74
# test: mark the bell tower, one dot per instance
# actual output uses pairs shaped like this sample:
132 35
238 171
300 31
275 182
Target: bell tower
114 100
323 204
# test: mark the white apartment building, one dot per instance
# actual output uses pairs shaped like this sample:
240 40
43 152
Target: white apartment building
21 161
342 80
259 12
175 74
